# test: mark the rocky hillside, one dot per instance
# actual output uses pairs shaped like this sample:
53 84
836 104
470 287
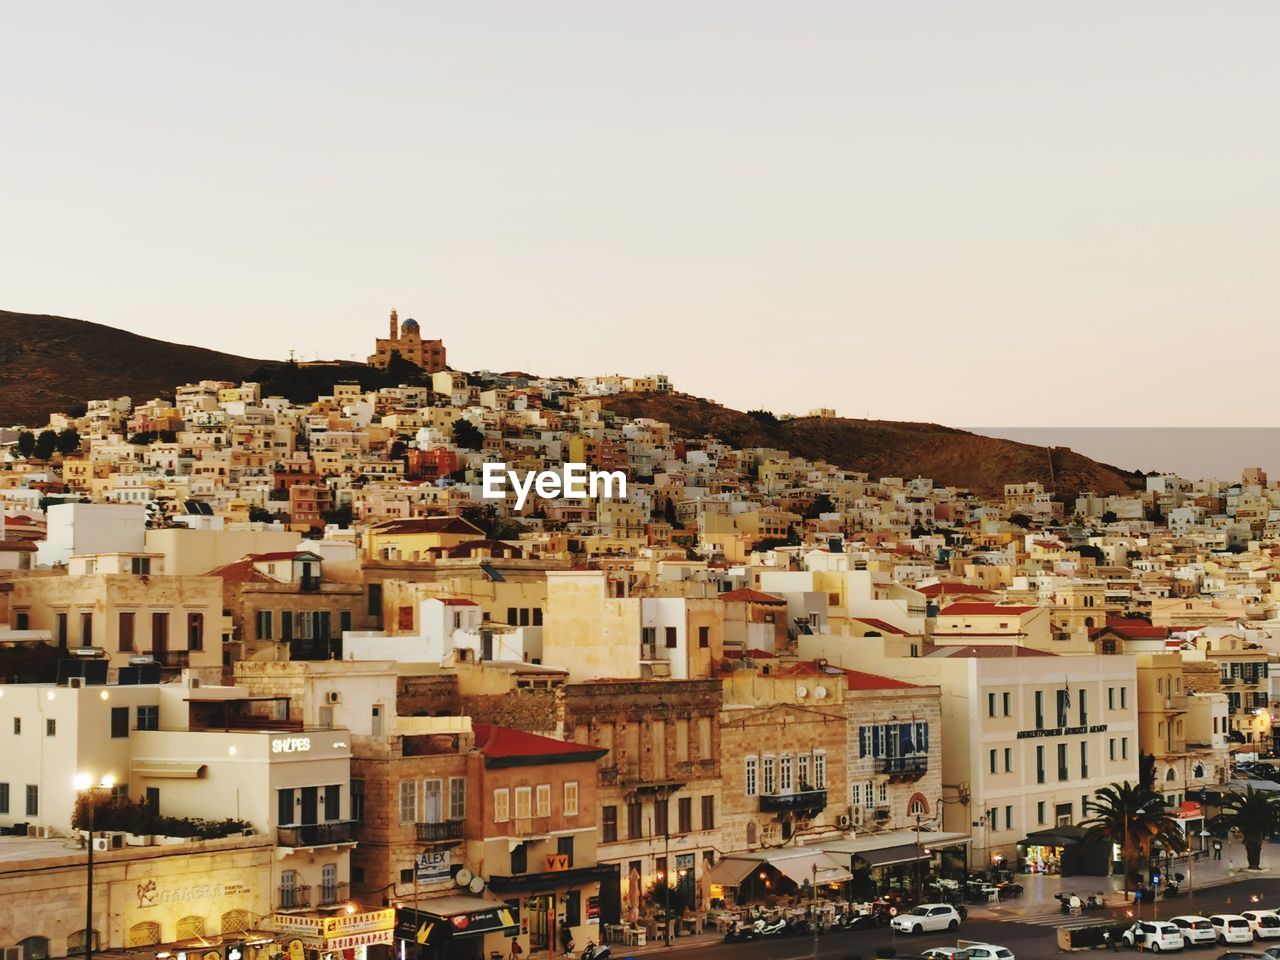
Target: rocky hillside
53 364
886 448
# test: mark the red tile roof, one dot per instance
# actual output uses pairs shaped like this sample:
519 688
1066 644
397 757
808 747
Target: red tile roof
984 651
751 596
457 602
505 747
428 525
882 626
935 589
281 555
1132 629
984 610
857 680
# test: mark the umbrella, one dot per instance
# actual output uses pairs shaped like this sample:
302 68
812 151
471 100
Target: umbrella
633 895
704 890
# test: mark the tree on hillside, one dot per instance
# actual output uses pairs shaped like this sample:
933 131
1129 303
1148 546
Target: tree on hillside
1132 817
1256 814
466 435
68 441
821 504
26 444
46 444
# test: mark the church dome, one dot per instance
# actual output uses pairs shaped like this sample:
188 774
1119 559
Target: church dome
410 324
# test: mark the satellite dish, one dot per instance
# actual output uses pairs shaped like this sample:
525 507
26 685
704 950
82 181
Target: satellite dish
476 884
820 693
802 691
462 877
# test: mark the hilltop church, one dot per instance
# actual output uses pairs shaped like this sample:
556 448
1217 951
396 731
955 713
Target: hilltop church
406 340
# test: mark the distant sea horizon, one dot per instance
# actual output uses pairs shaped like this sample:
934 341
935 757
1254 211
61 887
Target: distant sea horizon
1193 453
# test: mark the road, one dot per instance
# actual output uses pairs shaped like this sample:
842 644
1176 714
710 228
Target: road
1030 938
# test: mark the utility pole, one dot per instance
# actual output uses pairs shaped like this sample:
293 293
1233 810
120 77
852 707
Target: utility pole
815 911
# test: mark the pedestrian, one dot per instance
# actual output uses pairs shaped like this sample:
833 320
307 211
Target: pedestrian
516 949
1074 904
1217 849
1108 940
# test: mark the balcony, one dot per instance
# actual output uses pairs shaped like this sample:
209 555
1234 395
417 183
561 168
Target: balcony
807 802
316 834
904 768
531 826
440 832
333 893
293 898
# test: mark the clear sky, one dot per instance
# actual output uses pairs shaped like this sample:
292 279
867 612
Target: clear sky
984 212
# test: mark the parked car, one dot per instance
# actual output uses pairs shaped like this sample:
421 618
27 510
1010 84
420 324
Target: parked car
1231 928
946 953
986 951
1195 930
1154 935
1265 924
1242 955
927 917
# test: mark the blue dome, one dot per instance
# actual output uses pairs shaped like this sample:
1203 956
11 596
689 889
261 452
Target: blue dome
410 324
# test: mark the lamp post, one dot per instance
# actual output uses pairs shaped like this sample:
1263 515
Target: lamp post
84 785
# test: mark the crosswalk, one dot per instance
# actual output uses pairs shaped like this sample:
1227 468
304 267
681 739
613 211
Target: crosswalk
1061 921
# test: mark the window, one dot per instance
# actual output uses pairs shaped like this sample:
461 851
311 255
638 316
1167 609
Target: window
501 805
125 631
140 566
1006 703
408 801
1040 764
543 800
802 772
1062 762
768 787
357 801
1039 709
457 798
671 638
1040 812
51 727
148 718
119 722
524 803
991 704
432 801
752 778
33 800
34 948
609 824
1124 748
708 813
1064 704
1084 759
17 725
661 817
684 815
520 858
195 631
785 769
263 624
1083 706
86 629
1124 698
62 630
1008 759
1111 698
704 637
564 847
820 769
4 798
404 618
991 761
373 607
1008 818
704 738
159 632
635 821
571 798
1111 748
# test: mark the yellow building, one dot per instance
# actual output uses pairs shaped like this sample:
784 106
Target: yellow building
416 537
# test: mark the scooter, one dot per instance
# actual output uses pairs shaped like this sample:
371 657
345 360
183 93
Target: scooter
592 952
1094 902
739 931
797 927
771 929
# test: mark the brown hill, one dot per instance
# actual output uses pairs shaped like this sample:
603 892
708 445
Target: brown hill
886 448
52 364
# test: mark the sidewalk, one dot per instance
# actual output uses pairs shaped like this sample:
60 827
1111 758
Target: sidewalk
1038 898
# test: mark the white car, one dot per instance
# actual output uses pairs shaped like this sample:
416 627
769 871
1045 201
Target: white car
946 953
1154 935
1195 930
927 917
1231 928
1265 924
985 951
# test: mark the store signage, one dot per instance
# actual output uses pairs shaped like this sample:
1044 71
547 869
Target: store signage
373 938
290 744
434 865
557 862
1061 731
345 924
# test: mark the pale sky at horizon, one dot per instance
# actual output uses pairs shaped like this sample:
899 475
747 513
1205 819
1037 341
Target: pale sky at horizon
993 212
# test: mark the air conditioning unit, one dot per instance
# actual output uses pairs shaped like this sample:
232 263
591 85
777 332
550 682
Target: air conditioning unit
844 821
41 832
101 844
75 683
333 696
856 816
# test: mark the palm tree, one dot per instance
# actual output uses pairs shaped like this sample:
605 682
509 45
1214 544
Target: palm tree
1255 814
1132 816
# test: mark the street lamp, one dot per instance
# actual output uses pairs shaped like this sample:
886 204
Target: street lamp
84 785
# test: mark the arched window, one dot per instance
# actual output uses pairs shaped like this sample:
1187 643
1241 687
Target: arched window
1170 776
751 833
75 943
1199 771
918 806
235 921
34 948
143 934
190 928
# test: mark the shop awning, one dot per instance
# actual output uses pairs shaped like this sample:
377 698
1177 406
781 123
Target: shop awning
1063 836
731 871
890 856
797 865
455 916
169 770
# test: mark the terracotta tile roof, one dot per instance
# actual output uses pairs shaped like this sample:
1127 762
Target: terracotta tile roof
1131 629
241 571
857 680
281 555
984 610
751 596
503 746
427 525
457 602
17 546
984 651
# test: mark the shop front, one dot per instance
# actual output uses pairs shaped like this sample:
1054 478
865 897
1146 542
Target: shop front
769 876
1063 850
344 936
456 928
556 907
